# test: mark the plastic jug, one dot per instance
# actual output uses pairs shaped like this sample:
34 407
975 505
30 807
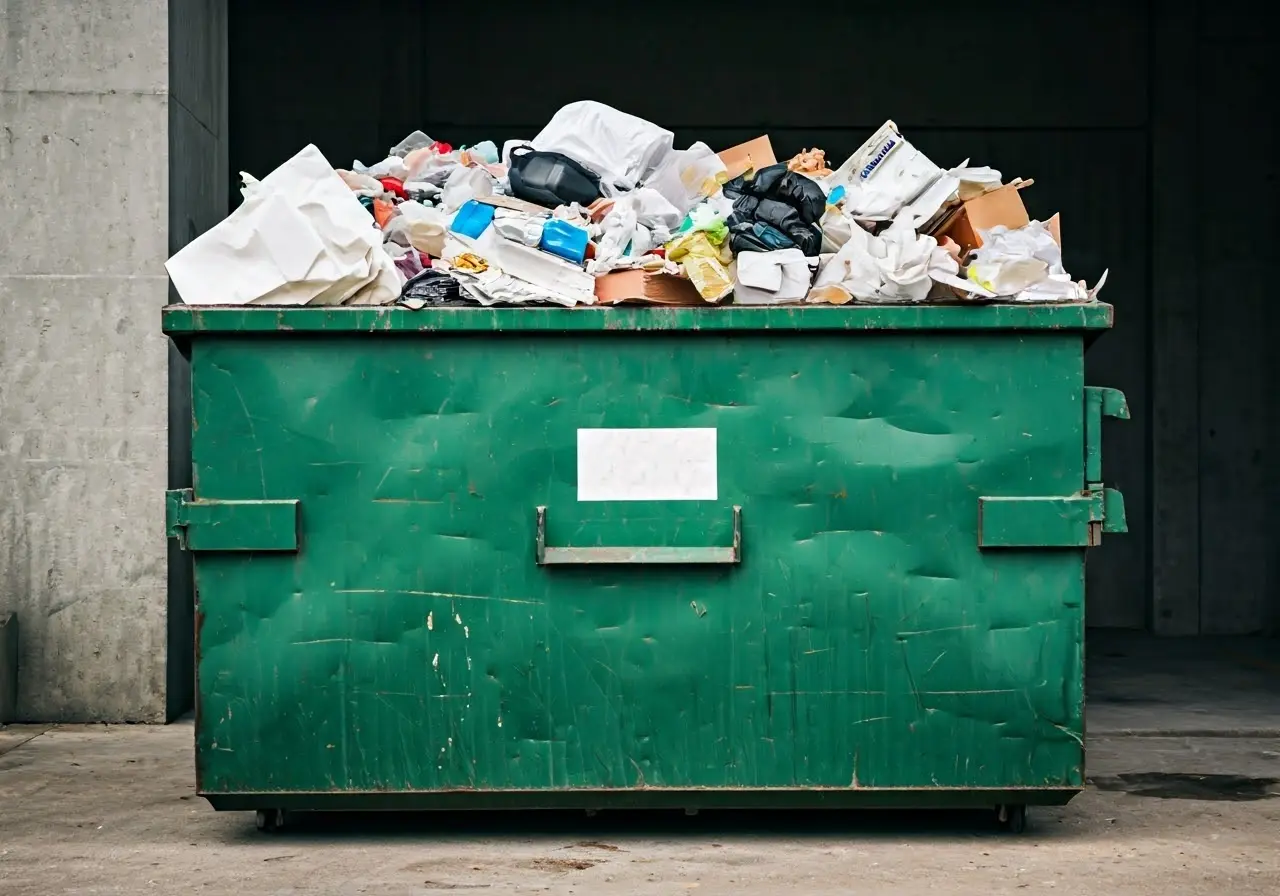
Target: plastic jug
472 219
564 239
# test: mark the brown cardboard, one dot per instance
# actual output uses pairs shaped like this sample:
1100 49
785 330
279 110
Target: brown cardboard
1002 205
653 288
754 154
514 204
1054 226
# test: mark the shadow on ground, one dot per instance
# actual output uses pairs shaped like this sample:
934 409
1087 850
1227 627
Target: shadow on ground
599 831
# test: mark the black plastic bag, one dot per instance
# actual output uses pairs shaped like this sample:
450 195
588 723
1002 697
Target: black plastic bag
551 178
775 209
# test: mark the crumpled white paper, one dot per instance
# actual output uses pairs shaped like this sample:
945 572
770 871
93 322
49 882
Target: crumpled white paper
896 267
961 182
1025 265
638 222
621 148
520 227
300 238
517 273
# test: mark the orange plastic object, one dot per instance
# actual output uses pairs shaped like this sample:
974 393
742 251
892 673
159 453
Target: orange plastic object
383 212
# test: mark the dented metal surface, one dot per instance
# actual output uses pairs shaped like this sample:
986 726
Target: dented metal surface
864 641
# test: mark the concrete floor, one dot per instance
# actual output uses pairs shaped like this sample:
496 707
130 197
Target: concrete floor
110 809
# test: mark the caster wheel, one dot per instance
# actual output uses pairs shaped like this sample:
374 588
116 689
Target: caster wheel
270 820
1012 818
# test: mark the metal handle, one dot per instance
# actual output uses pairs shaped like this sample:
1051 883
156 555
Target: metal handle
654 555
1099 403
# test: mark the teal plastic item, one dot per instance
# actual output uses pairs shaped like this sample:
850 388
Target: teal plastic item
472 219
566 240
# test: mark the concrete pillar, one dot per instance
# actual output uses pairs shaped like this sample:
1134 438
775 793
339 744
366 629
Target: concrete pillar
84 172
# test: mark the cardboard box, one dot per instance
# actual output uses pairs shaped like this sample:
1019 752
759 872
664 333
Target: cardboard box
963 220
653 288
752 155
516 205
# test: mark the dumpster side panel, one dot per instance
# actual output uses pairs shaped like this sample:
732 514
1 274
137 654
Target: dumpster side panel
412 643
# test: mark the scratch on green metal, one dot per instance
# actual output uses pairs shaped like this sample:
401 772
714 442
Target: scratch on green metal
865 642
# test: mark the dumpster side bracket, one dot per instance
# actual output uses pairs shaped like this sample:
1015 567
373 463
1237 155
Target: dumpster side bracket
212 525
1069 521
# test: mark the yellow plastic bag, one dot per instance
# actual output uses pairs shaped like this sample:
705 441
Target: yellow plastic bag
708 266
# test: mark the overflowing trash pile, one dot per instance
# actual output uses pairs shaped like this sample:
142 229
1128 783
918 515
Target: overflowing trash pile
601 209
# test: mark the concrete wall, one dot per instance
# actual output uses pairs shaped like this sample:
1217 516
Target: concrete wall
83 236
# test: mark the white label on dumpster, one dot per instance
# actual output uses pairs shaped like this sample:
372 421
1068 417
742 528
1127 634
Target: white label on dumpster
647 465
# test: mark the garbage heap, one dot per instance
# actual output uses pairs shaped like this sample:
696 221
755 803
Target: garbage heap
601 209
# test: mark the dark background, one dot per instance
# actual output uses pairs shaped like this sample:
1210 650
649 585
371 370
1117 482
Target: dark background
1145 125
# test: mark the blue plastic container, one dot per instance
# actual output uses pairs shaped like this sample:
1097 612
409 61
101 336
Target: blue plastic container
472 219
565 240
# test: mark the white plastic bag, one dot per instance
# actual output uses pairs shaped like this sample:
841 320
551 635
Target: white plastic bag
689 176
300 237
463 185
416 140
623 149
837 228
637 223
428 166
391 166
424 227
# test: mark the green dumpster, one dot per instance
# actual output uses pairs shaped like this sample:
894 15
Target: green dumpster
669 557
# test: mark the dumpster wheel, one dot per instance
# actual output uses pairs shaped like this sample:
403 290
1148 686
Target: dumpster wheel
1012 818
270 821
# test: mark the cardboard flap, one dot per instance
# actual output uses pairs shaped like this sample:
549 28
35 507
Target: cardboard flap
752 155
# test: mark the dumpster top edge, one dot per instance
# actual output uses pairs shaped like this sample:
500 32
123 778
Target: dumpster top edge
188 319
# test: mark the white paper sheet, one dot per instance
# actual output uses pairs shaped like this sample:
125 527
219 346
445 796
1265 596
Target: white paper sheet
772 278
647 465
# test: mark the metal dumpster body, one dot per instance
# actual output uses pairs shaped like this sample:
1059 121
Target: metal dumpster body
494 558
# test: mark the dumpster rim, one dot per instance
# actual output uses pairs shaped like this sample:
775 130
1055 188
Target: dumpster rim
190 319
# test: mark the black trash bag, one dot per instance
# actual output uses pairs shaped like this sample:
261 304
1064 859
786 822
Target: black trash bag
433 288
776 209
551 178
